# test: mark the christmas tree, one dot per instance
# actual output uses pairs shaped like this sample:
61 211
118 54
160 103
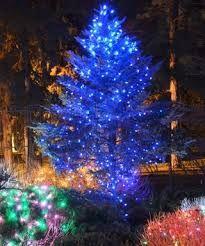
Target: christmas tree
103 118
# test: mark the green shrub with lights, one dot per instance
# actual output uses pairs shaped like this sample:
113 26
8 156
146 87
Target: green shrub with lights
38 214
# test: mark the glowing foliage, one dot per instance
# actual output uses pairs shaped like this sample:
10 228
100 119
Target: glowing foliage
183 227
35 215
59 71
103 118
80 180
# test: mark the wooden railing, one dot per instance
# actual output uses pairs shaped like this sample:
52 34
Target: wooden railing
187 167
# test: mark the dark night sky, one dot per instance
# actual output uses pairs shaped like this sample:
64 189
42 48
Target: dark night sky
126 7
130 8
145 32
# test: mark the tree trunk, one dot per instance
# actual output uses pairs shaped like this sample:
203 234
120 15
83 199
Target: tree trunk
173 15
44 64
26 61
27 70
26 145
6 124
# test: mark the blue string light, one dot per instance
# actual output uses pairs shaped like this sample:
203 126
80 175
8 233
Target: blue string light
104 118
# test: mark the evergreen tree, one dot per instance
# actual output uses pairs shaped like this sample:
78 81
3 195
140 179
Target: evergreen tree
103 118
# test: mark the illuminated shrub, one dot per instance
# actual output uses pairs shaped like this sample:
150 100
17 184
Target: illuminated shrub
80 180
37 215
186 226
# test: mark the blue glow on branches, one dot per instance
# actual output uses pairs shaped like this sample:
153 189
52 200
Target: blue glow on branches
104 118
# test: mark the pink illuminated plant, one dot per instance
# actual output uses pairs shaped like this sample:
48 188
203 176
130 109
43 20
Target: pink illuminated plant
181 228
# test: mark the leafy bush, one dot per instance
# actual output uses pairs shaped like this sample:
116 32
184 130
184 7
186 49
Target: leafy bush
102 222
